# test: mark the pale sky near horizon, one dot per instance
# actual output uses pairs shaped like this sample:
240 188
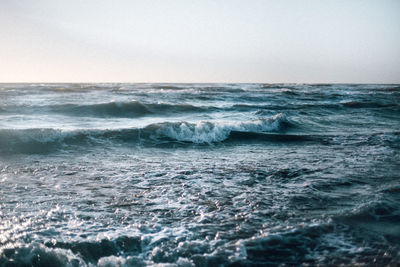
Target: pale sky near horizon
311 41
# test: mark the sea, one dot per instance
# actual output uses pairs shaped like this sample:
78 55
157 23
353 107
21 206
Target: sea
199 174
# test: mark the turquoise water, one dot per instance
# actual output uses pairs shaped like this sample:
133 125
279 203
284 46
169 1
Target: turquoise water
199 174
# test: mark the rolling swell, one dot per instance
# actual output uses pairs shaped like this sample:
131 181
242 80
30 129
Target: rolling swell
125 109
112 109
137 109
266 130
203 132
132 109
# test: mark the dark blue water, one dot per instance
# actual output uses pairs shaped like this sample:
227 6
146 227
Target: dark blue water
199 174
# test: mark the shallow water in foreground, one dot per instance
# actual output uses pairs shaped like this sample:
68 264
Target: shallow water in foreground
199 174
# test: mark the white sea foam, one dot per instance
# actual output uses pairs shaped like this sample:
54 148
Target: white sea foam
210 132
38 253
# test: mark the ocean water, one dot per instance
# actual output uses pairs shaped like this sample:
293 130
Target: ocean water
199 174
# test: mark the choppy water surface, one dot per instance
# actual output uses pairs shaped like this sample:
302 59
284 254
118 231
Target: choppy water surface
199 174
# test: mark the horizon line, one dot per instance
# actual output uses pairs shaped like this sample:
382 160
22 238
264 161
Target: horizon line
211 82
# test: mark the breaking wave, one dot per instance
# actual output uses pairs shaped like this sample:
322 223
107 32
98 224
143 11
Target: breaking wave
211 132
203 132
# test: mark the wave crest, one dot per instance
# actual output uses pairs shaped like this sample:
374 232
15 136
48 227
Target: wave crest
211 132
203 132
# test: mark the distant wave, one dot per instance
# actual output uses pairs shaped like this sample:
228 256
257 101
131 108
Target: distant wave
130 109
334 106
370 104
137 109
124 109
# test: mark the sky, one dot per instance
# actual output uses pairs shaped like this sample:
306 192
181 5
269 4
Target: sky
268 41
